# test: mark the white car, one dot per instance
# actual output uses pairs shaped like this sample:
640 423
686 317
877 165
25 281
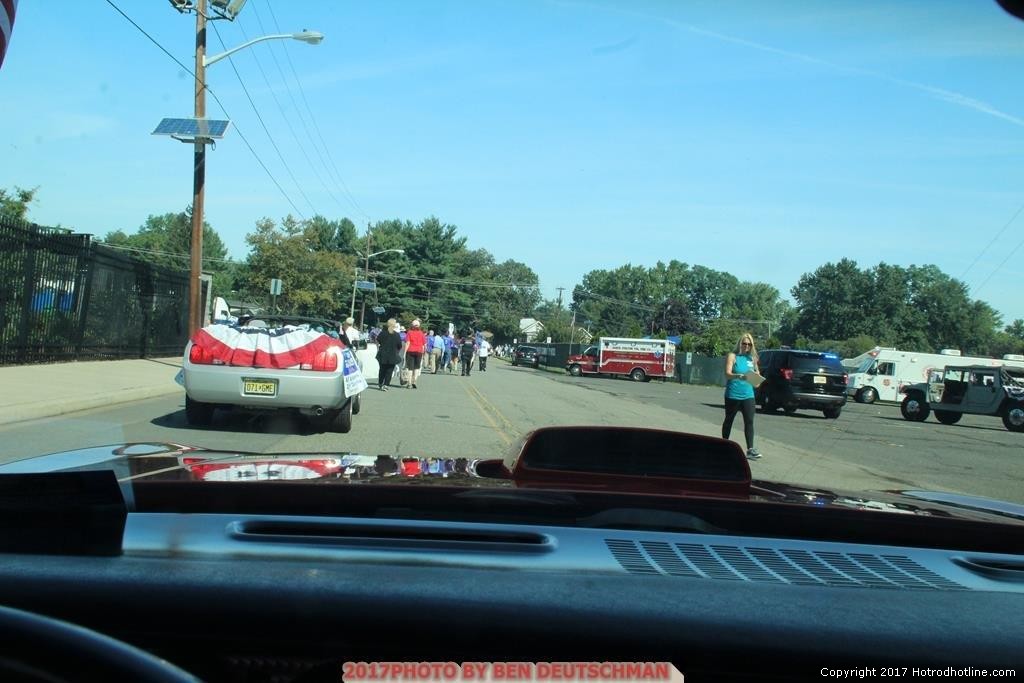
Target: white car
315 388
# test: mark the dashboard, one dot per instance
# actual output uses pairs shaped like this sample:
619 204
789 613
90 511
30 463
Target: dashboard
290 598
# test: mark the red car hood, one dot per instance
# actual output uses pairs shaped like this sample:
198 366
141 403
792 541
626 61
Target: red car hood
164 462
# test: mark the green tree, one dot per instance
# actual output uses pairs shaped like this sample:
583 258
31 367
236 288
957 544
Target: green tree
830 301
16 203
166 240
316 280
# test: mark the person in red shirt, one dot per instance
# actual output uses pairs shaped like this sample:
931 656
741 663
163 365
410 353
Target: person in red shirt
415 343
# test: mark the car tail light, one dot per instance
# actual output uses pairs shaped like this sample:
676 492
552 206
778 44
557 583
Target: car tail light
787 374
846 378
198 355
325 361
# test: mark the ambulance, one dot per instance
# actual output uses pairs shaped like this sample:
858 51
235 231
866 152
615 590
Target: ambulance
881 373
638 359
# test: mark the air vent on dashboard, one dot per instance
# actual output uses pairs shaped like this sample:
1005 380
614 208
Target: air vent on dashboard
776 565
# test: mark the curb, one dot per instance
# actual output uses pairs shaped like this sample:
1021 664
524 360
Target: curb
39 410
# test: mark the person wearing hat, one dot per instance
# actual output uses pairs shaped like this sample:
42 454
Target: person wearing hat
415 343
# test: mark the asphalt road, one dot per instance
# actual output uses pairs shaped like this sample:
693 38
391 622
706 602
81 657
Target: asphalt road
485 415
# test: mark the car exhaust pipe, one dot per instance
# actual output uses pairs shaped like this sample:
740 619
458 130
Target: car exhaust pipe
318 411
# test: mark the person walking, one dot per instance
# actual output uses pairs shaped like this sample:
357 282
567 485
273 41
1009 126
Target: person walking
389 352
485 352
466 354
739 392
436 351
428 352
446 358
415 344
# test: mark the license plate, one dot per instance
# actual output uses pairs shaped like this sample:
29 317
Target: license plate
259 387
818 379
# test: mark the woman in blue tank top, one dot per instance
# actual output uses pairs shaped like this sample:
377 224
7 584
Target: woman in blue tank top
739 393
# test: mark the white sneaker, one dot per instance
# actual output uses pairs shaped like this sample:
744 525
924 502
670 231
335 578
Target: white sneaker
753 454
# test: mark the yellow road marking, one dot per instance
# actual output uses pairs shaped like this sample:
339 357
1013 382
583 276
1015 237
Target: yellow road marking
483 411
509 427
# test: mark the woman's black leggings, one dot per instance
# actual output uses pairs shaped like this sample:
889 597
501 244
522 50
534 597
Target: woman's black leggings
384 375
732 405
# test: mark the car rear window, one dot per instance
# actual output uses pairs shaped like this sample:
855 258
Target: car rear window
814 361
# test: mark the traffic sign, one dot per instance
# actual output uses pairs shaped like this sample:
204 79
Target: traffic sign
366 284
276 286
379 310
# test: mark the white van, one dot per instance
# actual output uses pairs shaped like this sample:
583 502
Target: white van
882 372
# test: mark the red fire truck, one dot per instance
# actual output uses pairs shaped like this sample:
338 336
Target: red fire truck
638 359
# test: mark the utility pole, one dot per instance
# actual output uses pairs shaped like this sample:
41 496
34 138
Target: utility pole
195 318
560 298
362 313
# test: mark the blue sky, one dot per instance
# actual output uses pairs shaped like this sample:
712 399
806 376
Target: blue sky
763 139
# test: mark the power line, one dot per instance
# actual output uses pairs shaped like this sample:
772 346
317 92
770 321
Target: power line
510 285
216 99
312 118
284 115
157 252
611 300
260 117
1000 266
993 241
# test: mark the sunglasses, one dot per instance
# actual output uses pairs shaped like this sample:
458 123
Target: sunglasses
746 343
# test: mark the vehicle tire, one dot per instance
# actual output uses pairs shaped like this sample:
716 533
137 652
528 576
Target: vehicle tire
867 395
198 414
575 370
914 408
638 375
357 404
342 420
832 412
1013 418
947 417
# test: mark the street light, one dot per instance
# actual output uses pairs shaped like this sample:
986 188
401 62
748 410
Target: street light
195 317
311 37
352 310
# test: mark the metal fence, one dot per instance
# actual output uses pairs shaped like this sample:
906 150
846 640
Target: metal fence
63 297
693 368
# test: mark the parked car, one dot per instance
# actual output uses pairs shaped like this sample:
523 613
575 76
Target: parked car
526 355
246 367
797 379
968 389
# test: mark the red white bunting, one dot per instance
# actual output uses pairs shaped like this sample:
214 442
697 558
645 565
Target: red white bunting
283 347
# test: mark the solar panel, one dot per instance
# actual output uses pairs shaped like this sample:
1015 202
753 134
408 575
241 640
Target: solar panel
192 128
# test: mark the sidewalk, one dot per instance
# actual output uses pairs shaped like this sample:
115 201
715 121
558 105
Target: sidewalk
30 392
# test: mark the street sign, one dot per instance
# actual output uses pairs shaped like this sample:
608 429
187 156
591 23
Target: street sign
276 286
379 310
366 284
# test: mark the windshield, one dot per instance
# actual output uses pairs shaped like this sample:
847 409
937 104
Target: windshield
464 201
866 365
